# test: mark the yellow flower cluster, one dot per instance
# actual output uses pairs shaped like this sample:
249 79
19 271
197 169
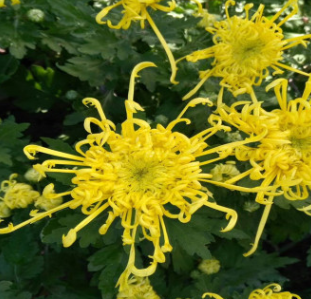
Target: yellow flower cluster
20 195
140 175
15 196
246 48
143 175
271 291
281 157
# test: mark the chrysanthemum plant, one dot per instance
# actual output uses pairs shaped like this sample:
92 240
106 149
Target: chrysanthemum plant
147 196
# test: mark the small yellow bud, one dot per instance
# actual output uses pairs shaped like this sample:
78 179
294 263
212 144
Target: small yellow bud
209 266
224 172
33 175
46 204
4 210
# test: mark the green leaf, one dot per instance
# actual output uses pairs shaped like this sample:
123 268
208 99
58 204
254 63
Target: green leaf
111 260
7 291
53 231
192 236
5 157
10 131
8 66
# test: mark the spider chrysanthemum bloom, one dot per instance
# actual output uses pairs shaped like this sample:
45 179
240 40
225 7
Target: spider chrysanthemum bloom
137 10
272 291
141 175
282 157
246 49
16 195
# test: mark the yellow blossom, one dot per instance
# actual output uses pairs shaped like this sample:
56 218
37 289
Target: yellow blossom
272 291
140 175
13 2
246 49
209 266
138 288
17 195
137 10
223 172
281 158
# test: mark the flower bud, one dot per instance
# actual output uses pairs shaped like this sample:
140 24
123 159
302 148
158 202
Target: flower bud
35 15
209 266
32 175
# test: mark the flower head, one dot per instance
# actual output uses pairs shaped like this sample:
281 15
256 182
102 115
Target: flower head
141 175
137 10
17 195
281 158
138 288
245 49
272 291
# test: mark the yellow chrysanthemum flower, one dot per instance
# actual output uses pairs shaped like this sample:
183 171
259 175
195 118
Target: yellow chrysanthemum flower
137 10
138 288
269 292
141 175
13 2
17 195
272 292
246 48
281 158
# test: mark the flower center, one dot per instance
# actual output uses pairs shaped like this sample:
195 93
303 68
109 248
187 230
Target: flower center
300 138
143 173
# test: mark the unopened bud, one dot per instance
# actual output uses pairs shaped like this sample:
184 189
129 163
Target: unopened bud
209 266
251 206
32 175
35 15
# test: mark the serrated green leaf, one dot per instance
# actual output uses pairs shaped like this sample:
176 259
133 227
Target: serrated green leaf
192 236
10 131
5 157
111 259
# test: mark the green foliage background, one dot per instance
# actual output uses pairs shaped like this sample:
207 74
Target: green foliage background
46 69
